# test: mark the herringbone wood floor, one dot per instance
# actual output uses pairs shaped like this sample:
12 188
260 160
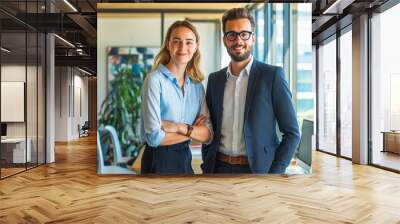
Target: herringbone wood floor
70 191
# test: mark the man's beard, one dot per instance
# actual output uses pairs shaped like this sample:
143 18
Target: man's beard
240 57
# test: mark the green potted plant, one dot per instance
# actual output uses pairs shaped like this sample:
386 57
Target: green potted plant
121 107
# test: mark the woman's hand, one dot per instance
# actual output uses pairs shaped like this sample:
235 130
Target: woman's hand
169 126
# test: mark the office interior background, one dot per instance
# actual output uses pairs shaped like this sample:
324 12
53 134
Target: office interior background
320 80
29 59
347 84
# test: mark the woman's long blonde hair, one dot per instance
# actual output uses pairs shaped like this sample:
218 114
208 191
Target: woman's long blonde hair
193 66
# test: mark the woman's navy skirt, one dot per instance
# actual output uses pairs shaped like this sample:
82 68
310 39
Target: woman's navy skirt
169 159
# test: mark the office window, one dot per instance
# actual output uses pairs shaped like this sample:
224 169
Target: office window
278 57
385 87
304 88
304 76
260 33
305 105
273 29
305 83
346 94
327 96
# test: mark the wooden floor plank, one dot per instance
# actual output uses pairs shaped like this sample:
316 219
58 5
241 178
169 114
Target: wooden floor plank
70 191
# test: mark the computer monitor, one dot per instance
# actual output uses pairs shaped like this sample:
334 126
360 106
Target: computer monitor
3 129
304 153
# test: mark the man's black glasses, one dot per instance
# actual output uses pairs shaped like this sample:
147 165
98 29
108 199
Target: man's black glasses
244 35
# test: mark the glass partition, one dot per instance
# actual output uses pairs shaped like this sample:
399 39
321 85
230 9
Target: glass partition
13 108
327 96
22 89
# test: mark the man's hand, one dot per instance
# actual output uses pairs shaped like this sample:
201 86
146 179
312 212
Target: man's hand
200 120
169 126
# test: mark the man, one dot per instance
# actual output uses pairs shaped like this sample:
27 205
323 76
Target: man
246 100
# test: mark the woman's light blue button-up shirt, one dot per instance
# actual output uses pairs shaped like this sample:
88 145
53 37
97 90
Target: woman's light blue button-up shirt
163 99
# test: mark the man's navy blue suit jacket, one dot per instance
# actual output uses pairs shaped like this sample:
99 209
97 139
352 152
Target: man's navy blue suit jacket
268 102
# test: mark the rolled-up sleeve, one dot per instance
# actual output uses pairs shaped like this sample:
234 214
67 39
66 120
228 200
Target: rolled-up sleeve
205 112
151 111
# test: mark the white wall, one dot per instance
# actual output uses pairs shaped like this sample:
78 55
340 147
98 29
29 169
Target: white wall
79 117
123 31
61 103
13 73
208 47
70 84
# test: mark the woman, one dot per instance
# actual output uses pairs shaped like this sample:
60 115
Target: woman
173 104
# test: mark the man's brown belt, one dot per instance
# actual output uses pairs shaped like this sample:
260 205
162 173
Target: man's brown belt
234 160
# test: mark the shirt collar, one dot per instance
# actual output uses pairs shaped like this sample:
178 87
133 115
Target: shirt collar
246 69
165 71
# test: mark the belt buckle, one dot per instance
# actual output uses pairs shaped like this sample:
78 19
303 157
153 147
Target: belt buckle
230 158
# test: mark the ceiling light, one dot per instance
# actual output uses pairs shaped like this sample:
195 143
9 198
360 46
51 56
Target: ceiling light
65 41
70 5
337 7
84 71
331 7
5 49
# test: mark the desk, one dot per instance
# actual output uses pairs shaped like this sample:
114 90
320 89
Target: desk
13 150
391 141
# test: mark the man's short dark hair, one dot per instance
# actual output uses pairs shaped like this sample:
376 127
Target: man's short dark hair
237 13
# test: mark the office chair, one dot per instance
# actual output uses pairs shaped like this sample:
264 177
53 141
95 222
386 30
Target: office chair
84 129
114 168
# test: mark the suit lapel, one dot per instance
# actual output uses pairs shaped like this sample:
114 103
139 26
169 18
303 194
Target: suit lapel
220 88
250 87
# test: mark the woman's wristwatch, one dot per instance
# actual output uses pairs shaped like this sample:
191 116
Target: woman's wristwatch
189 130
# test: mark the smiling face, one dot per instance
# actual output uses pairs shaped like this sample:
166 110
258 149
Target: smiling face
182 45
239 49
